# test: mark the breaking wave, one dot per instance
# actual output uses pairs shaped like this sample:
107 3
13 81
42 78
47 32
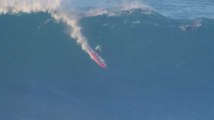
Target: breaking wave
70 16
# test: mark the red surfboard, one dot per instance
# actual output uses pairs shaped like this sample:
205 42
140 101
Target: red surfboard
97 58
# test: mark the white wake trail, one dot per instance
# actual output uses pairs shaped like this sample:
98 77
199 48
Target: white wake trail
75 32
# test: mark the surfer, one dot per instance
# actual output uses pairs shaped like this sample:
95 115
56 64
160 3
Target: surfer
97 58
98 48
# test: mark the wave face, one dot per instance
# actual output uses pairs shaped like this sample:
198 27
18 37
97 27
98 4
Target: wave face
158 68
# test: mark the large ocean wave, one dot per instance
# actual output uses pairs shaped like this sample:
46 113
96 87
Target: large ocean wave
158 67
124 17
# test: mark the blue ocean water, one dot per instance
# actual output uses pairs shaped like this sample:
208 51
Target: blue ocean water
156 70
183 8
